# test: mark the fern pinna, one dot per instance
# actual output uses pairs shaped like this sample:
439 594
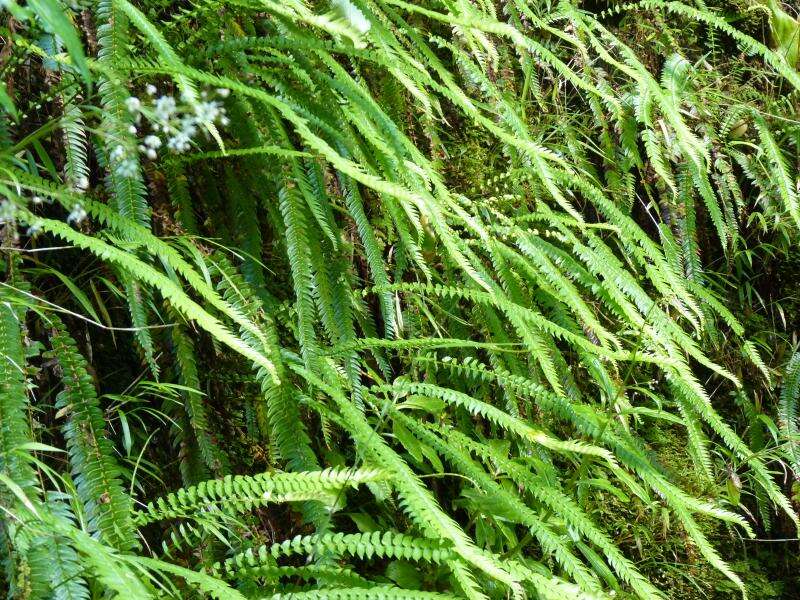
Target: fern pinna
387 299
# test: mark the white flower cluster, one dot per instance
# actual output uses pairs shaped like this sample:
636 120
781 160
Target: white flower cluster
16 212
10 215
123 164
174 125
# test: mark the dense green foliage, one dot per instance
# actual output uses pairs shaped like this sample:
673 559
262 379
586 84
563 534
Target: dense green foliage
386 299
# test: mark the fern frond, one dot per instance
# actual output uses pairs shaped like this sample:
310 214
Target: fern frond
14 425
57 560
378 544
166 286
194 403
498 417
789 415
778 166
377 593
94 467
242 493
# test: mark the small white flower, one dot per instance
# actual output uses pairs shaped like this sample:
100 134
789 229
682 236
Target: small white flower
151 89
179 142
152 141
34 229
223 92
151 154
133 104
126 168
117 154
132 130
37 199
165 107
224 121
188 127
77 215
207 112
